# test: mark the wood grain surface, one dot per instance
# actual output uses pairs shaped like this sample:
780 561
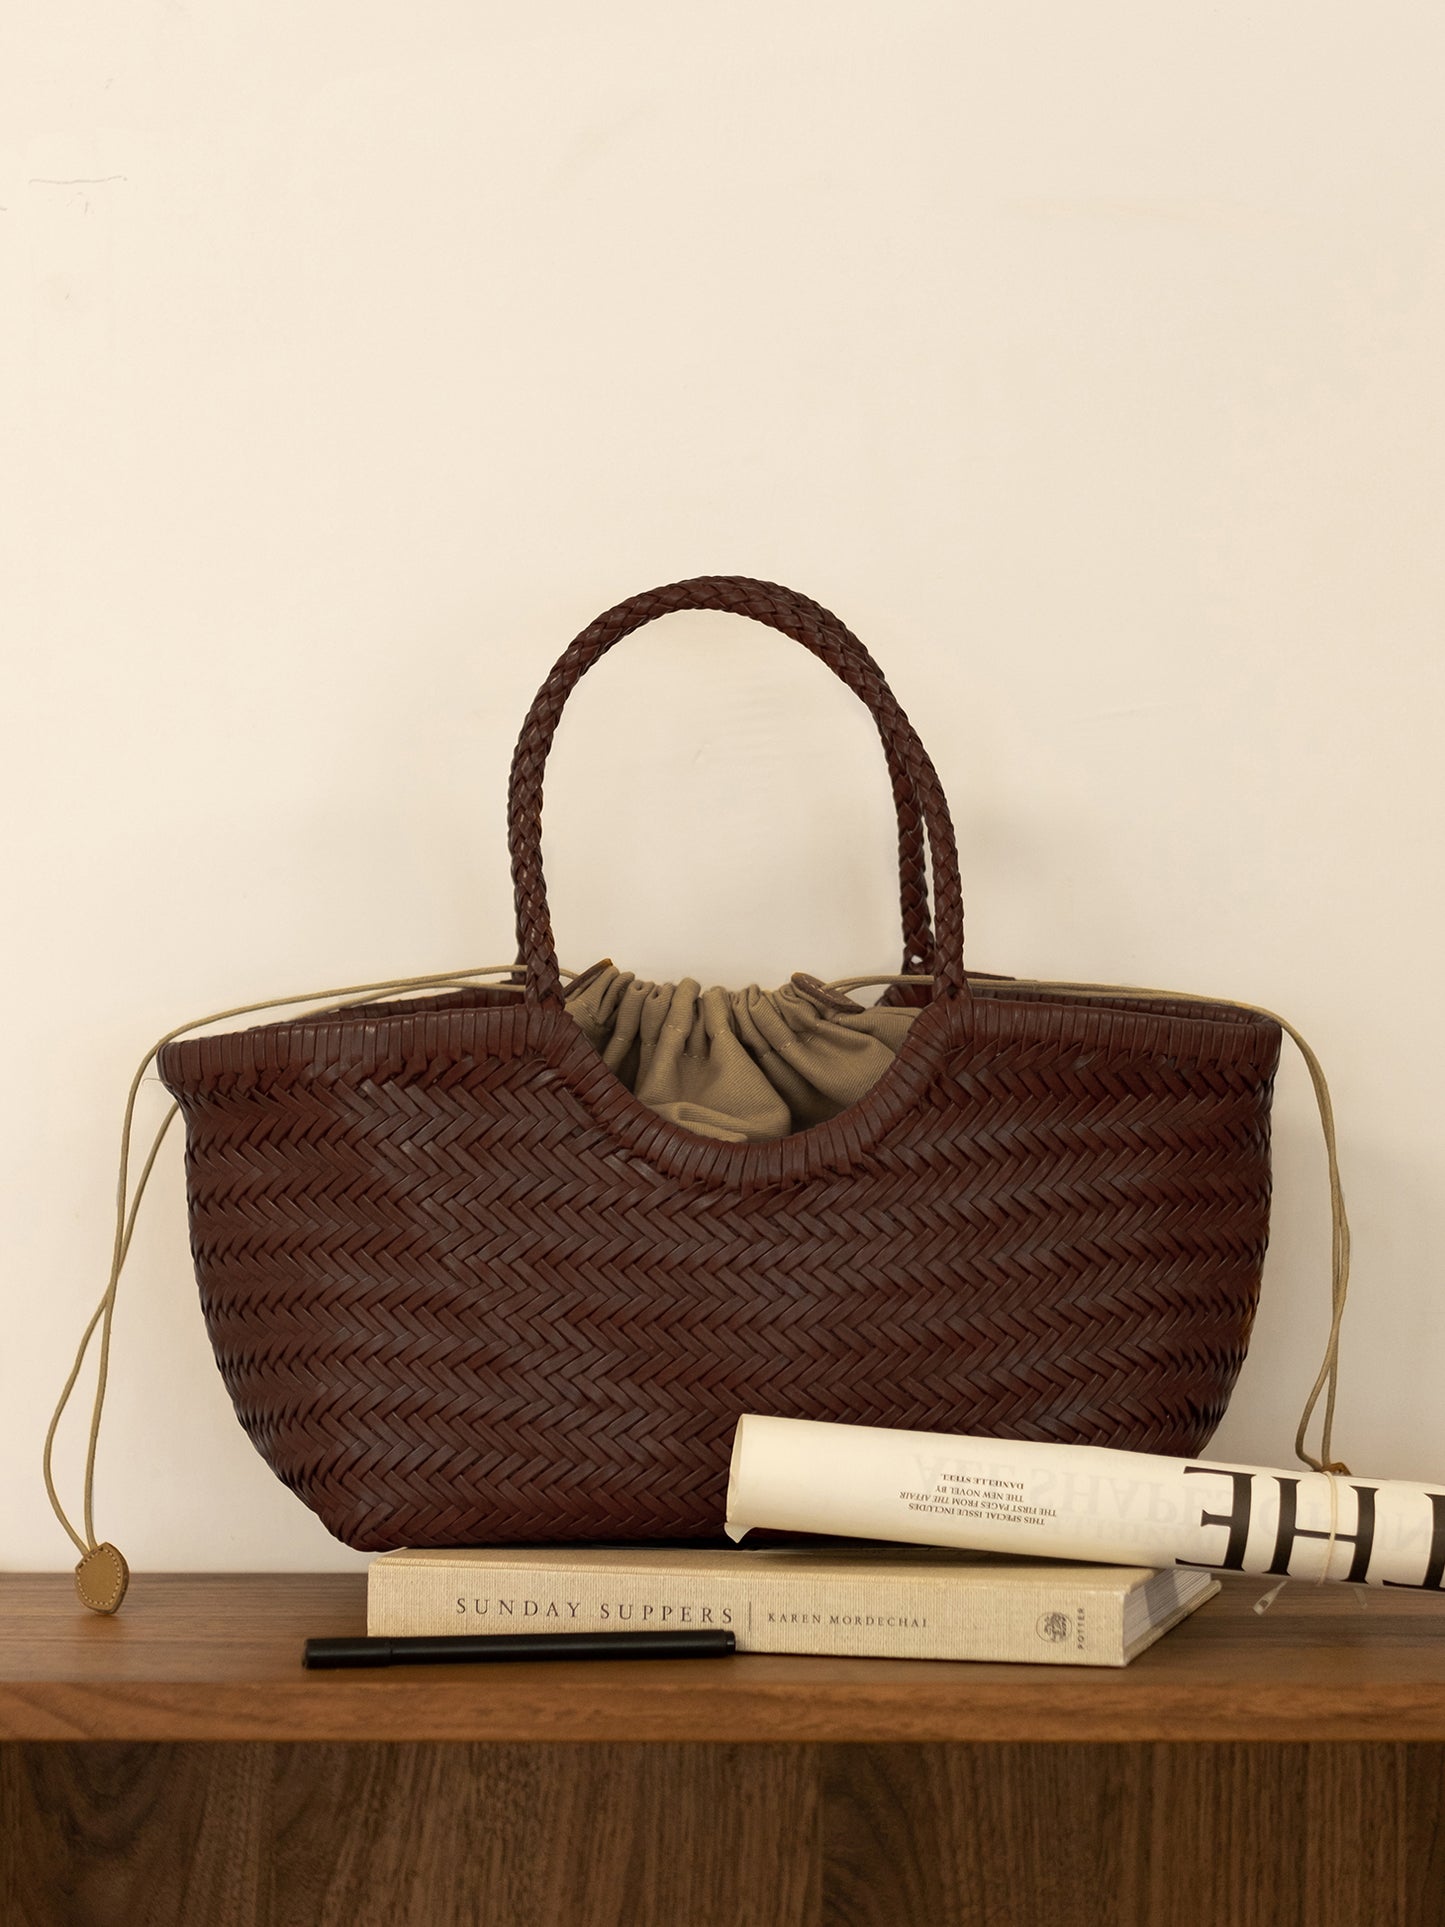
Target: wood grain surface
108 1834
175 1765
1134 1836
219 1657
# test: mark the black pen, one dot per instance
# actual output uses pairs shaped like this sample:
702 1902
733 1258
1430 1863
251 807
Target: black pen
451 1649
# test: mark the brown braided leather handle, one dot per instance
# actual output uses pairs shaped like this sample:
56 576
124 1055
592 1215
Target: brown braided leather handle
918 949
916 787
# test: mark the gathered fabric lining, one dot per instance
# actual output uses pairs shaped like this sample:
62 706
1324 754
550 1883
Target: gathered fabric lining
743 1066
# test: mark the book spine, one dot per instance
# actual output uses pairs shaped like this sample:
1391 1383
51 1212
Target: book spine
1082 1502
894 1618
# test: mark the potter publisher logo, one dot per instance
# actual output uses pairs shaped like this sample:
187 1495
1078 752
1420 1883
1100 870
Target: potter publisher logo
1054 1627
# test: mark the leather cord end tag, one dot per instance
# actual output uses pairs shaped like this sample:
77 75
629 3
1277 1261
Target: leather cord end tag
101 1578
824 994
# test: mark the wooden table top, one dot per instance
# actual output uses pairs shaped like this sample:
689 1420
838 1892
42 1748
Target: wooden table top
218 1657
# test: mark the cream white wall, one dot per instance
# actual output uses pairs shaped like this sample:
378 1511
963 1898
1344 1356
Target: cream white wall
1086 359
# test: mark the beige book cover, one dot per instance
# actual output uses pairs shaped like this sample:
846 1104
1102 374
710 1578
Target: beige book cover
885 1602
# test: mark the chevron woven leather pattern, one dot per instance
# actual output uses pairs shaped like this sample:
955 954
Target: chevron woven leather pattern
464 1288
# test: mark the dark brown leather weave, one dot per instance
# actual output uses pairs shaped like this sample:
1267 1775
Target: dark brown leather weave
464 1288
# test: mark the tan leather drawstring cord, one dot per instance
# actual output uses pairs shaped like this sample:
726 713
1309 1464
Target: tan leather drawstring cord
1329 1371
102 1575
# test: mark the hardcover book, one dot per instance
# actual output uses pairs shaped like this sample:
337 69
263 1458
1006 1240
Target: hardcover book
893 1602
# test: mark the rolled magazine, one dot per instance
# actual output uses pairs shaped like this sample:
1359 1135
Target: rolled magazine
1082 1502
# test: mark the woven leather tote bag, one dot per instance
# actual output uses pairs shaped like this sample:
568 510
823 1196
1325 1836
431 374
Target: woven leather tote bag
465 1288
